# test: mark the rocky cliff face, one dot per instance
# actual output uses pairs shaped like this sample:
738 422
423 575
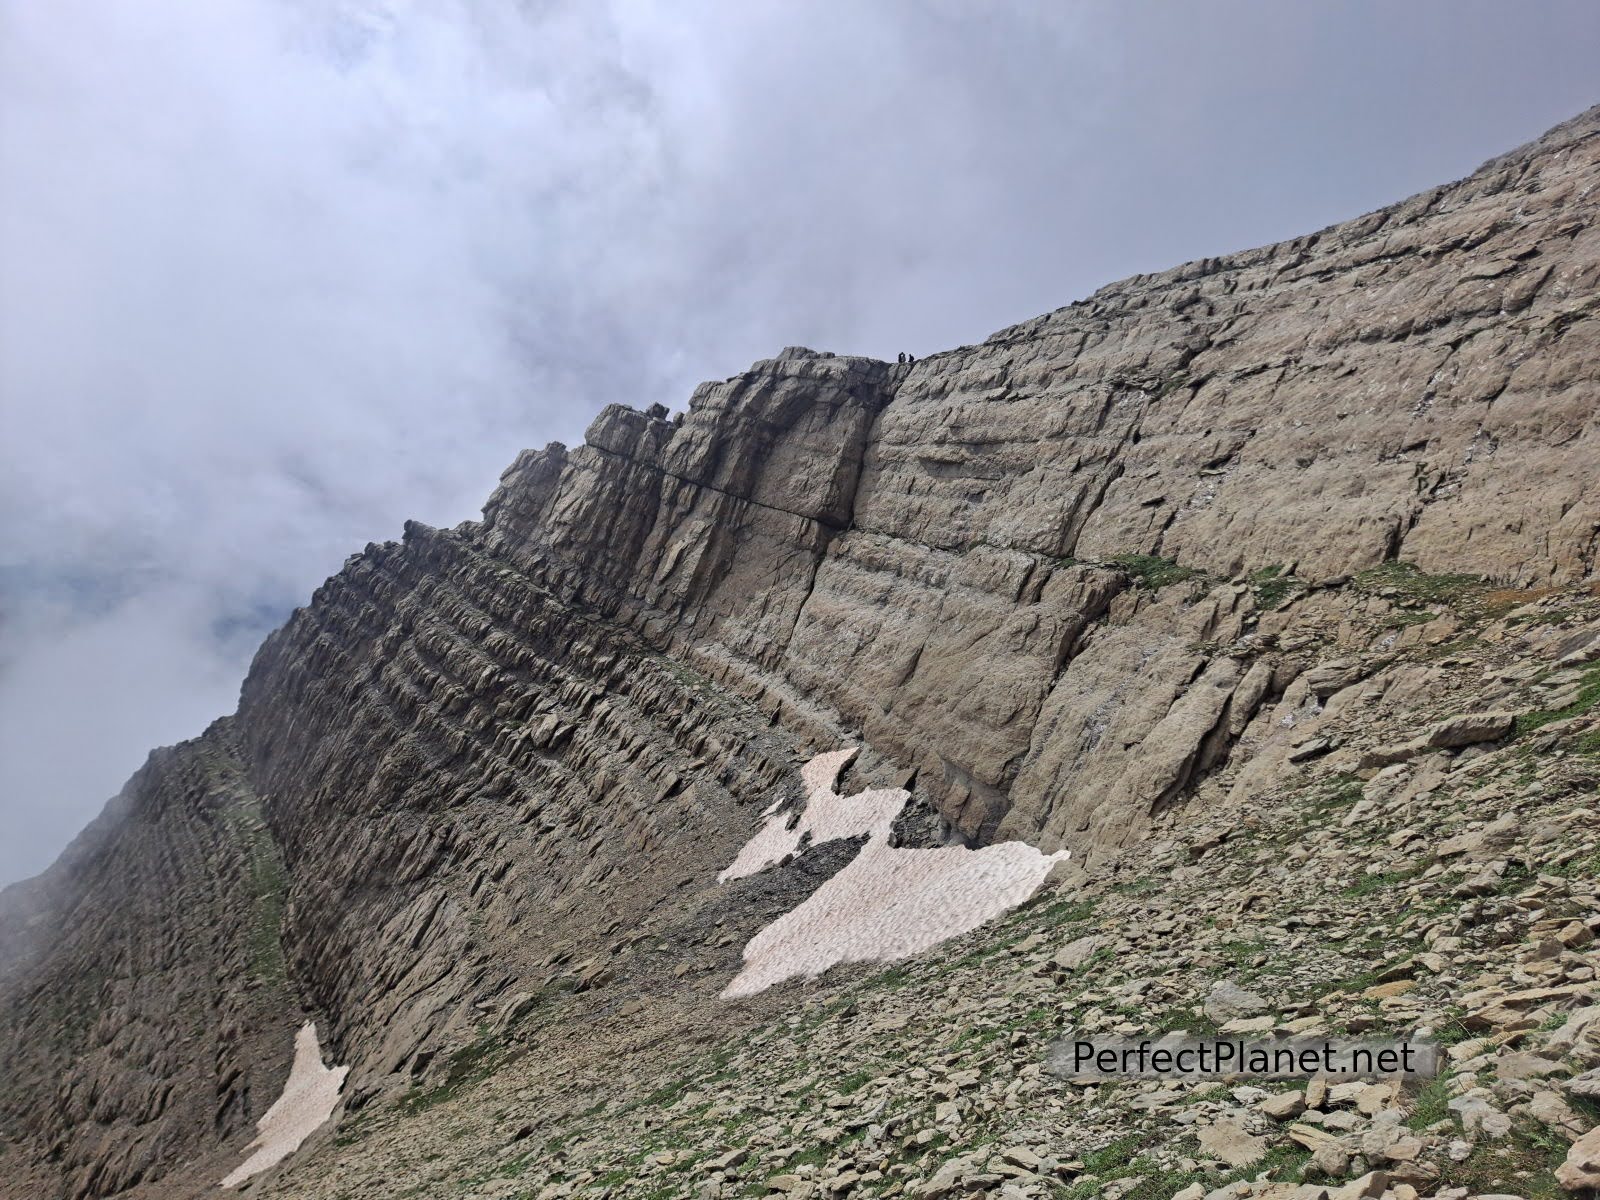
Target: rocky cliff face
1061 584
145 989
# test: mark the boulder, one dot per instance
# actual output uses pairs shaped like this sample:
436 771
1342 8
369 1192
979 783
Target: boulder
1227 1001
1231 1142
1450 734
1581 1171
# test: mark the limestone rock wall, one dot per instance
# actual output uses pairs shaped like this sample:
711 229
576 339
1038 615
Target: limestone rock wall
925 556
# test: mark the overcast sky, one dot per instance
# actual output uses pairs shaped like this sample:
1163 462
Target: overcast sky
279 275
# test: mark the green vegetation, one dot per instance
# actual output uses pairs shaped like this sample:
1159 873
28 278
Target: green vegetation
1338 793
1273 586
1583 866
1191 1022
854 1082
1147 885
1150 572
1172 383
1431 1105
1470 597
470 1064
1383 881
1119 1153
892 977
1588 699
1410 584
353 1126
512 1168
1349 984
1118 1161
1526 1161
1558 616
1239 951
1410 617
669 1094
1451 1031
1069 911
269 886
1517 876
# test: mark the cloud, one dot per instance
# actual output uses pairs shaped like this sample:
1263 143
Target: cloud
281 274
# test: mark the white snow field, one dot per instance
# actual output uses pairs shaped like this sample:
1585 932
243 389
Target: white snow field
827 816
889 902
308 1098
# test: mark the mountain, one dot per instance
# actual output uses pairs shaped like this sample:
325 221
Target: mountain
1208 580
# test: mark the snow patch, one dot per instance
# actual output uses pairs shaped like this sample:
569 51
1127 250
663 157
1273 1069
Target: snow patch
307 1101
889 902
827 816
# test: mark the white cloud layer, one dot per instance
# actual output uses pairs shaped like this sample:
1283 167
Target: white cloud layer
278 275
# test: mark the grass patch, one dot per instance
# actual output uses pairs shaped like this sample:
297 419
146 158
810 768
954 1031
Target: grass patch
892 977
1146 885
353 1126
1584 866
1414 587
1525 1161
470 1064
1517 876
269 888
1350 985
1273 586
1067 912
1108 1158
1384 880
669 1094
1149 571
1156 1182
1195 1024
1588 699
1432 1104
1409 617
1239 951
854 1082
1172 383
1451 1031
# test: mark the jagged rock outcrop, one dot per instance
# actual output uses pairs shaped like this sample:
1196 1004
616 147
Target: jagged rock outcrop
1054 582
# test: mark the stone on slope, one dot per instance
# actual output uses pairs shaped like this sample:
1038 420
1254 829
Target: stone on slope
1227 1001
1581 1170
